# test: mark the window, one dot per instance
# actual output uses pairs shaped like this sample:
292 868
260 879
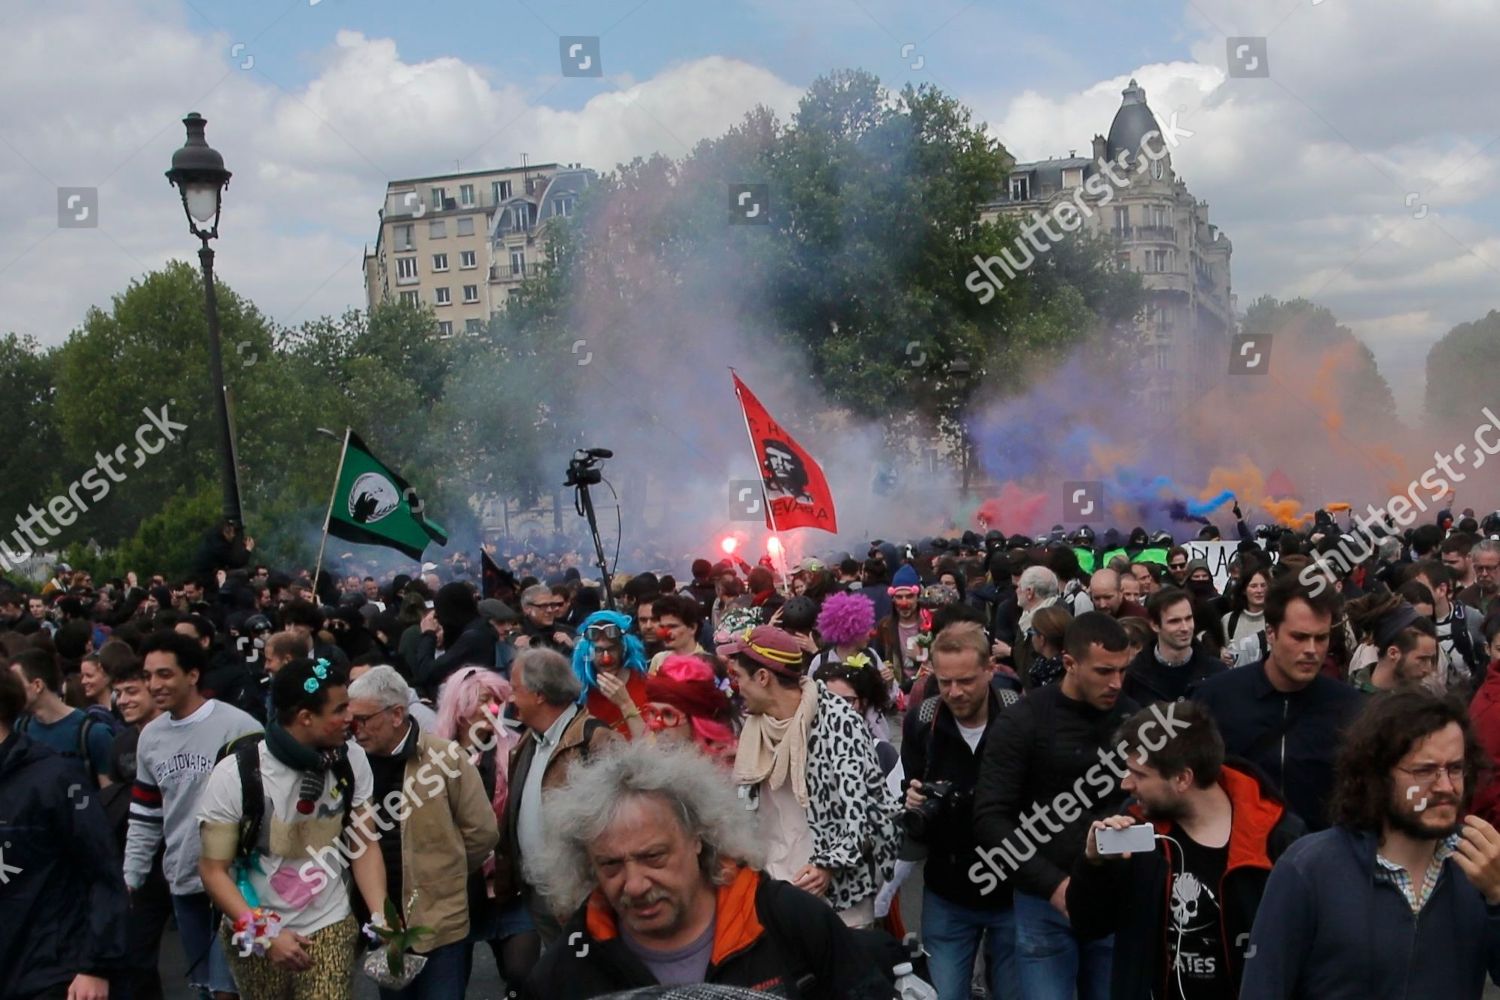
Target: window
473 326
410 299
501 190
439 195
471 293
1072 177
406 267
403 238
1159 260
1157 169
562 206
440 262
466 260
1159 216
1020 189
518 262
445 328
466 195
1161 357
1122 218
437 229
521 216
444 297
466 226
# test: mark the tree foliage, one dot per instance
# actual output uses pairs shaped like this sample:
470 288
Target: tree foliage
1461 367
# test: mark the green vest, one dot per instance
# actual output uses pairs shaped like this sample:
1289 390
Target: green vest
1154 555
1085 559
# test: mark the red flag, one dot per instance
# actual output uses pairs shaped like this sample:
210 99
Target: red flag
795 487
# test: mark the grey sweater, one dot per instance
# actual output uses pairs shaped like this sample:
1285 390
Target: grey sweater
173 761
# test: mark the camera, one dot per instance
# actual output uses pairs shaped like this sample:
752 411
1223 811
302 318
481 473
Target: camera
584 470
940 797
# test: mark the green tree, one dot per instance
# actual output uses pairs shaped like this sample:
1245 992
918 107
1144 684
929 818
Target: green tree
29 466
1461 367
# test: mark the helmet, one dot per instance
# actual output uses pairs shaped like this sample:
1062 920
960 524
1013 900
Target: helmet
799 614
1084 536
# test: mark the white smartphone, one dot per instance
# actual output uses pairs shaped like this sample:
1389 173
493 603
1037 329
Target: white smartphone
1133 839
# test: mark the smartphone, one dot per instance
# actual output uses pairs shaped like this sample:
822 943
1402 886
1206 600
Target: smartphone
429 605
1132 839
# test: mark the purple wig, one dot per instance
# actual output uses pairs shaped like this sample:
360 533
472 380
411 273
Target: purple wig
846 619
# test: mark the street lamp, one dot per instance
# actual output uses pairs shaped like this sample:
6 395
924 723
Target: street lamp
200 178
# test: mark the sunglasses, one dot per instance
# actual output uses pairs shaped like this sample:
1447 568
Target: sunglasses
607 632
549 605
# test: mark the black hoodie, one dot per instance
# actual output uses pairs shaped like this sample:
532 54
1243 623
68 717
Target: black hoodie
62 894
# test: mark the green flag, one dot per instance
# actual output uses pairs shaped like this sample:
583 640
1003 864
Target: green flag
375 506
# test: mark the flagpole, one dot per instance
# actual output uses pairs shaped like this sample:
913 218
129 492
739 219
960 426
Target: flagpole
332 496
760 476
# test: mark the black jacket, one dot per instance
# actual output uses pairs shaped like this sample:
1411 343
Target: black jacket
768 936
62 900
1149 680
1044 746
475 647
1129 898
932 749
1291 737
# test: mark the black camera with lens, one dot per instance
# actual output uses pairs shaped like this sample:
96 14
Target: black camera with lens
940 798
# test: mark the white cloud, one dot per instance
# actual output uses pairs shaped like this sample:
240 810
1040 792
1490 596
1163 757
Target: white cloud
310 164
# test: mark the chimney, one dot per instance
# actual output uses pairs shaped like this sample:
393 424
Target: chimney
1099 148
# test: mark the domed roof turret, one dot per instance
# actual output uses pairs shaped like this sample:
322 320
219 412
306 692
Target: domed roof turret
1133 122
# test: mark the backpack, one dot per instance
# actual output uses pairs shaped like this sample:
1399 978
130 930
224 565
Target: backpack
246 752
82 753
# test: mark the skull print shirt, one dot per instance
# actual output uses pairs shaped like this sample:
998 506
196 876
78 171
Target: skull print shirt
1196 968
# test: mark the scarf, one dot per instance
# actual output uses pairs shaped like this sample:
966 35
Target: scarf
775 749
314 764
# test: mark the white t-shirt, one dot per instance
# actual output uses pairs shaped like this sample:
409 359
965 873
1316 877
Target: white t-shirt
972 735
303 874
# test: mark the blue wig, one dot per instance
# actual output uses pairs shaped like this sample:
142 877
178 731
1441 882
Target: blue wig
631 648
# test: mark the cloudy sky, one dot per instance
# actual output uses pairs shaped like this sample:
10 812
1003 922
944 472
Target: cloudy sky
1360 172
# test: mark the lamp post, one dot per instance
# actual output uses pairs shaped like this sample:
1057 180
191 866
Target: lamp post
960 371
200 178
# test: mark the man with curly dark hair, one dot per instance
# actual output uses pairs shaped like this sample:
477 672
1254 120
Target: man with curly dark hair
1401 896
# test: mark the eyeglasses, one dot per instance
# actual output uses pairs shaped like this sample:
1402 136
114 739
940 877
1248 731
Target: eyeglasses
1427 774
659 717
357 721
549 605
1177 565
609 633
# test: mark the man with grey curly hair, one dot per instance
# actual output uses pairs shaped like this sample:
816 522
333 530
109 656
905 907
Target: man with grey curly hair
651 845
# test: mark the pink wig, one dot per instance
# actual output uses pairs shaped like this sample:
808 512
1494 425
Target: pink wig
459 698
846 619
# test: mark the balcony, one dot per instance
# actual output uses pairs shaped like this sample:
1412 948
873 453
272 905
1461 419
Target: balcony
1158 234
1123 232
1166 281
503 273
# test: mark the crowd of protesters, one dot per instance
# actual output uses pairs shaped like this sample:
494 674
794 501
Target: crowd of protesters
728 777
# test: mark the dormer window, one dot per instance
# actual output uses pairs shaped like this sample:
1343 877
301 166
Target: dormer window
1020 188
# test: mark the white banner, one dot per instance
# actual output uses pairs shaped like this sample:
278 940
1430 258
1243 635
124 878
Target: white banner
1217 555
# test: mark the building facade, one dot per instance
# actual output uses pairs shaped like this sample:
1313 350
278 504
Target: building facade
461 243
1160 230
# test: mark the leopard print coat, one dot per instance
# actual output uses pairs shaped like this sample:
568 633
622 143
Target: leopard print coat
851 812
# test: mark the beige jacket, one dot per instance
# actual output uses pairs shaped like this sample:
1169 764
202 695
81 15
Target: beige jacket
449 832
